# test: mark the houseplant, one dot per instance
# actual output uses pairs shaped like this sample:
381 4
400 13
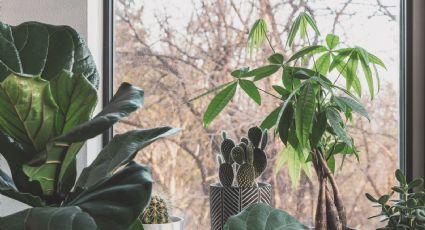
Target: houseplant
239 167
407 210
48 86
309 120
156 216
261 216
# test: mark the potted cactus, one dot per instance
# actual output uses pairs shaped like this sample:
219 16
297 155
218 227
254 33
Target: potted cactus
156 216
240 165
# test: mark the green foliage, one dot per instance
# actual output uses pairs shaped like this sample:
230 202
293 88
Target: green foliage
315 109
247 159
48 86
44 50
156 212
257 35
407 210
261 216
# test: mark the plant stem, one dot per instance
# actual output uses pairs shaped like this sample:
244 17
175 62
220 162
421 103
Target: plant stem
268 40
270 94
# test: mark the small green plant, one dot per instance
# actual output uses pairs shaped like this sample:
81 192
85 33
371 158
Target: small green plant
407 211
156 212
247 160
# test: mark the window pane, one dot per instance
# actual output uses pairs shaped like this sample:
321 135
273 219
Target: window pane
177 49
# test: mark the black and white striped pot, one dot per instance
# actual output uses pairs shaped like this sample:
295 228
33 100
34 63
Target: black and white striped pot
226 202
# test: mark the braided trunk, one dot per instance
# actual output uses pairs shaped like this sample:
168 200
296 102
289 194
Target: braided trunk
330 212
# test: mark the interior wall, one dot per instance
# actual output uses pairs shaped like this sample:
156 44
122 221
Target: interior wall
83 15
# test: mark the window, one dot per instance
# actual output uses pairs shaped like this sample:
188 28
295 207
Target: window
176 49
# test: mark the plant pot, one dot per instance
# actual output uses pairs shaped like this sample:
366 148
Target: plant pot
175 224
226 202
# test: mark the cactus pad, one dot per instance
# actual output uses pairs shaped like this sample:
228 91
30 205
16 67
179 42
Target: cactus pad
249 153
260 161
156 212
238 154
254 135
244 140
246 175
226 148
264 140
226 175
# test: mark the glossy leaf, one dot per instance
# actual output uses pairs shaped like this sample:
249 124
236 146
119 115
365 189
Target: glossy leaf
319 128
271 119
335 121
64 218
304 113
332 41
251 90
261 216
119 151
239 72
322 63
276 58
127 99
352 104
28 111
218 103
285 123
8 188
262 72
41 49
116 201
307 50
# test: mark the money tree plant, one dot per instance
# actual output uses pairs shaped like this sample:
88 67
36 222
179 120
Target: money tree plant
48 83
311 120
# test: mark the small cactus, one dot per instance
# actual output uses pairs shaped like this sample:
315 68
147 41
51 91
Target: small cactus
238 154
245 161
254 135
226 148
156 212
226 174
246 175
260 162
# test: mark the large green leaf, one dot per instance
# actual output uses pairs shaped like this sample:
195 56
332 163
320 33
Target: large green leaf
271 119
64 218
332 41
251 90
285 123
304 112
322 64
28 111
218 103
346 102
8 188
262 72
319 128
300 24
16 157
261 216
120 151
116 201
127 99
112 203
296 163
41 49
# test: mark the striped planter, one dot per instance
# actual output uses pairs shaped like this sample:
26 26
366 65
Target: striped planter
226 202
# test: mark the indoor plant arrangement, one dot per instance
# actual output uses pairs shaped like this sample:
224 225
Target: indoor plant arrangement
239 167
48 84
156 216
310 118
407 210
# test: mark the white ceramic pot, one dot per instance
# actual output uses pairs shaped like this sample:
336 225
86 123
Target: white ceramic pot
175 224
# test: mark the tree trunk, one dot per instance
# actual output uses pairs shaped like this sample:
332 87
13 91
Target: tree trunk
330 212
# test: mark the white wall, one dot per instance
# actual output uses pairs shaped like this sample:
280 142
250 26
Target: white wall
83 15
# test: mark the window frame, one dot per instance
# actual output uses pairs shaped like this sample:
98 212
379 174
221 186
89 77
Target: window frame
407 155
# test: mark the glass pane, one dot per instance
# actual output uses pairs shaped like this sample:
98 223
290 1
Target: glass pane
177 49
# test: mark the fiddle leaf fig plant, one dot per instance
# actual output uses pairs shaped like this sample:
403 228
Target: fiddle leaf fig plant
314 110
47 96
260 216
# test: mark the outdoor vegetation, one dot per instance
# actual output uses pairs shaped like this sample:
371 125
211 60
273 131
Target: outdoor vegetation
175 62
